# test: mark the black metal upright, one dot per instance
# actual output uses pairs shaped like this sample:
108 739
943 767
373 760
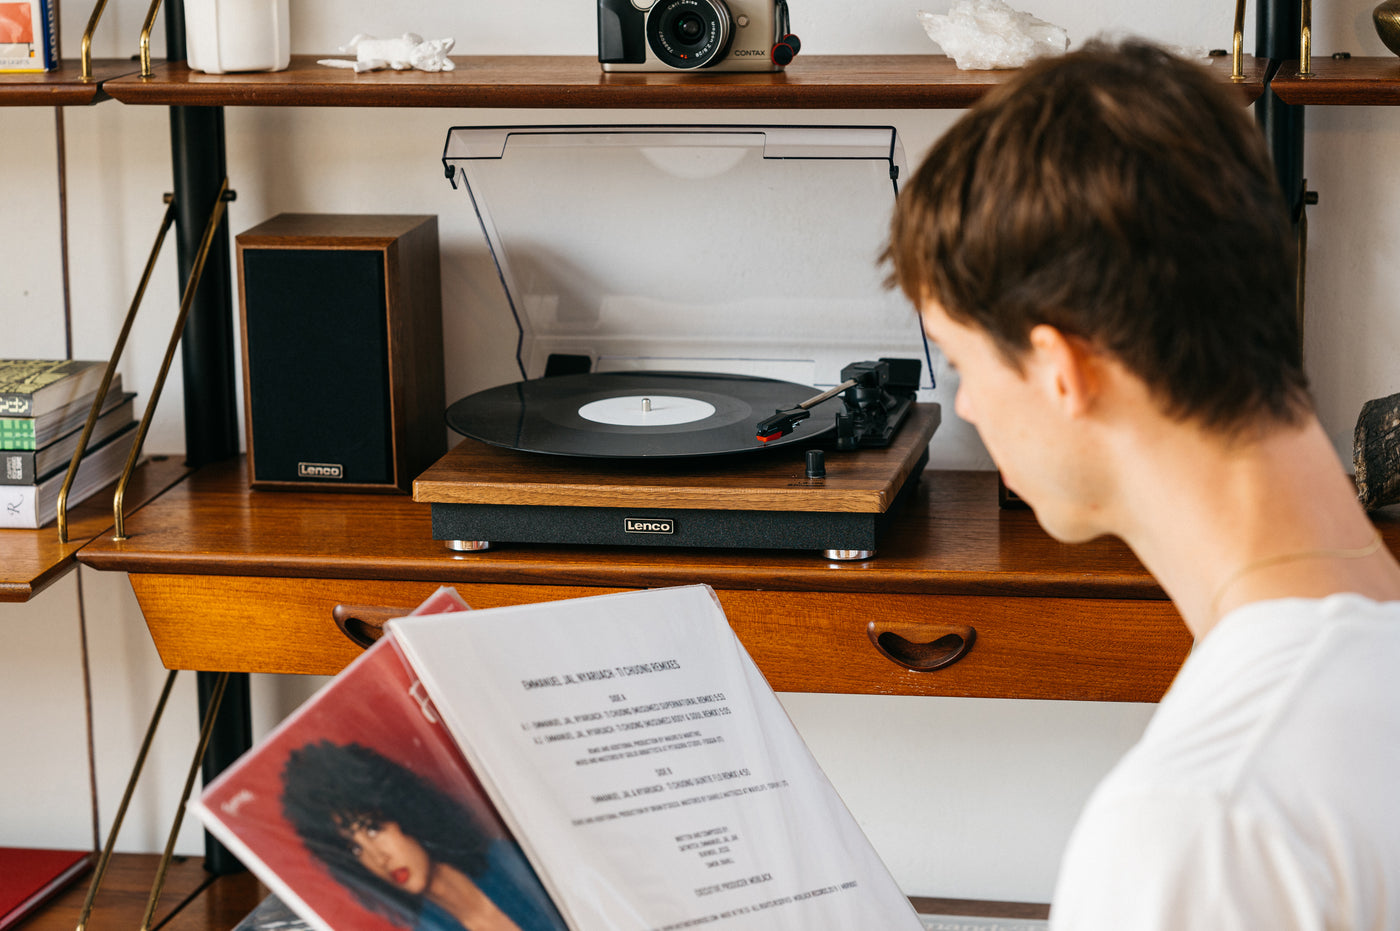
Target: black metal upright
1279 27
207 348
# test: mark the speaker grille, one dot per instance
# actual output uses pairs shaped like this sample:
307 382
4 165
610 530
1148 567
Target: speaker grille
318 360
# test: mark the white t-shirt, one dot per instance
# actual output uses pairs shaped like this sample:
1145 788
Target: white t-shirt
1265 792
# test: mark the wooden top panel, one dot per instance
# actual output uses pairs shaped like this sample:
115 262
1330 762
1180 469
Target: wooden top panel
812 81
953 539
1340 81
325 230
773 480
31 560
64 86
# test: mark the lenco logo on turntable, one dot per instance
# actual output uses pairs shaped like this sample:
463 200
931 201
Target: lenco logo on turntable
320 470
649 525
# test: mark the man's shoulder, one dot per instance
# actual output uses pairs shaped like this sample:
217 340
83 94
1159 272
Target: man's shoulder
1267 773
1282 690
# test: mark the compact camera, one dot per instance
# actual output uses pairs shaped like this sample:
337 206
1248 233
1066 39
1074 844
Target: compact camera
688 35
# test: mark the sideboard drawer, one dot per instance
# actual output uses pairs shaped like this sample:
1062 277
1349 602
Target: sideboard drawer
1063 648
859 643
285 625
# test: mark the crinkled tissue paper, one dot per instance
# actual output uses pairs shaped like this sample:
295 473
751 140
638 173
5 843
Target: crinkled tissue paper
981 35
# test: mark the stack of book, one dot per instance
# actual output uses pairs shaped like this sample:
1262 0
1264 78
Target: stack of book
44 405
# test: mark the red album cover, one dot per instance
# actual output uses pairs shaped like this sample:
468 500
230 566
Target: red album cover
359 812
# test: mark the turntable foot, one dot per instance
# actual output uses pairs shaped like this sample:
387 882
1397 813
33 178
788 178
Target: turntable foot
848 555
468 546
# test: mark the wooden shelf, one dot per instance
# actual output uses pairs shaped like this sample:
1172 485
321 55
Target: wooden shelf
953 540
1373 82
64 86
818 81
31 560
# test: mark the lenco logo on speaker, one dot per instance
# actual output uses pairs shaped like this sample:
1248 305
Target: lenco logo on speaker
320 470
649 525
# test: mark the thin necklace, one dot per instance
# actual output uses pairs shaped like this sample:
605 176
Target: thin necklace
1359 552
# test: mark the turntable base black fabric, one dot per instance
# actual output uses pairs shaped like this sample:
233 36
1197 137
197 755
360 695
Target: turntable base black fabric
485 494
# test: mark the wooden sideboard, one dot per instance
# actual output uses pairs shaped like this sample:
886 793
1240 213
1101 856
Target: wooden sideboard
249 581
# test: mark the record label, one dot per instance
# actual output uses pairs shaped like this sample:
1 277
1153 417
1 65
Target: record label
636 415
644 411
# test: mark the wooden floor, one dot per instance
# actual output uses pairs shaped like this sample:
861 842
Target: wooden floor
193 900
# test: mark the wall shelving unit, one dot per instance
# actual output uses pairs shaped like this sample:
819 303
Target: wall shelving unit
233 580
851 82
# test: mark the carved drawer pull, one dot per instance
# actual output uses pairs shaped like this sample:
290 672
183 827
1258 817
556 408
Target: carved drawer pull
364 624
921 647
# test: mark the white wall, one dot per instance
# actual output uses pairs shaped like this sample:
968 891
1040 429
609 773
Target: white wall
963 798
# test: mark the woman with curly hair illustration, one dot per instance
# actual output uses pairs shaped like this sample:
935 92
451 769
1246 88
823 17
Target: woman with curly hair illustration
405 849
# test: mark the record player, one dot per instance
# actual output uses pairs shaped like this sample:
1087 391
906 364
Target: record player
707 354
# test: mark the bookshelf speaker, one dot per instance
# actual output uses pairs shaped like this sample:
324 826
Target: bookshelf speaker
342 351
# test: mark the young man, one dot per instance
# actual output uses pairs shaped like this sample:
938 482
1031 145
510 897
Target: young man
1101 251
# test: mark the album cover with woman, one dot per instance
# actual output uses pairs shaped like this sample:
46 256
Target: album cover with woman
614 762
360 812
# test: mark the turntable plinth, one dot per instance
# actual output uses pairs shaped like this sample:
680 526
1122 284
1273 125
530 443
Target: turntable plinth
480 492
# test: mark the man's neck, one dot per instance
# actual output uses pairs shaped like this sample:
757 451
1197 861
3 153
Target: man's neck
1222 524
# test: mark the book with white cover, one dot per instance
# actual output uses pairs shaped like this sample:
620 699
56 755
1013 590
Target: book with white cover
36 505
630 749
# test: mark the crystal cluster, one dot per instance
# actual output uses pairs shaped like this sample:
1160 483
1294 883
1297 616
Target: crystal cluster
984 34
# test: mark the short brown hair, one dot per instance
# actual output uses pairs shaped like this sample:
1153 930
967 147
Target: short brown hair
1122 195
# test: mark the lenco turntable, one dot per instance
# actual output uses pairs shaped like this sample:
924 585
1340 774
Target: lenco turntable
686 371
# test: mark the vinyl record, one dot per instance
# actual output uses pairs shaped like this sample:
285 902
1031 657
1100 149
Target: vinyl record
636 415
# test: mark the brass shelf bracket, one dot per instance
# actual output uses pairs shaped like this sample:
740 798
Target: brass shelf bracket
136 768
146 38
205 732
88 33
1237 48
1305 42
191 286
117 350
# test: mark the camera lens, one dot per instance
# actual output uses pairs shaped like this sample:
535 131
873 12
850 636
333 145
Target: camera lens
688 34
690 27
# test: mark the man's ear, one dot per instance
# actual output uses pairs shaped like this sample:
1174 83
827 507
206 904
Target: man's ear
1067 368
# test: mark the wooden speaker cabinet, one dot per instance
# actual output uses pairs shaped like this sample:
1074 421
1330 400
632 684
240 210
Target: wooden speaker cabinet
342 351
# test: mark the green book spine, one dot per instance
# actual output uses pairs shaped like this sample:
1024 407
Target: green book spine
16 433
